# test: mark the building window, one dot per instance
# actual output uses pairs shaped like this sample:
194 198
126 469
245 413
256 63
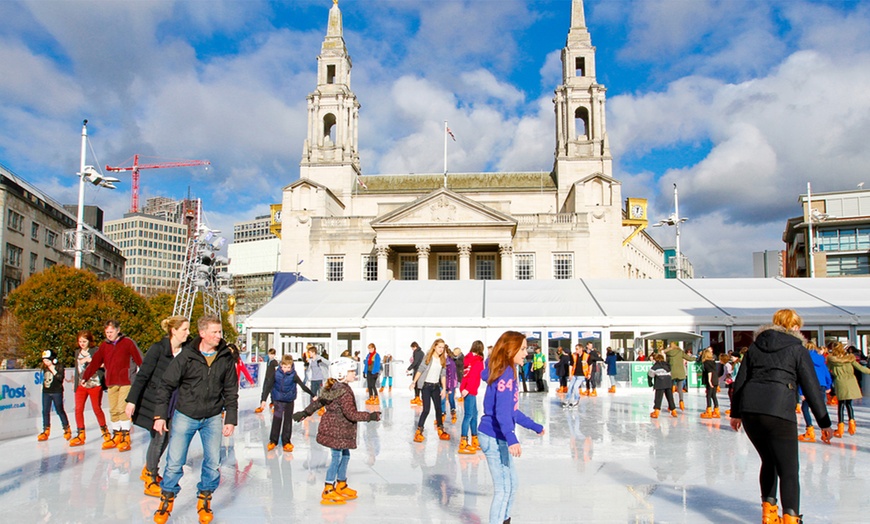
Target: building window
408 267
34 231
840 266
370 267
46 263
447 267
485 267
33 259
50 238
563 266
13 255
15 221
334 268
10 284
524 266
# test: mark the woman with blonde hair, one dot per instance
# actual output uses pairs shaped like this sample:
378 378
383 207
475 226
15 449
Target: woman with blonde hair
501 414
773 368
710 379
431 379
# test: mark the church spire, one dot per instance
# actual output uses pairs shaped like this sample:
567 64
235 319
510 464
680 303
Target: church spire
578 19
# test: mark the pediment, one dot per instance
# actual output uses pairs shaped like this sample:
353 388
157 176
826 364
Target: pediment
598 176
443 208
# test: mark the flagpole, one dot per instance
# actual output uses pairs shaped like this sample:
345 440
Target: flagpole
445 154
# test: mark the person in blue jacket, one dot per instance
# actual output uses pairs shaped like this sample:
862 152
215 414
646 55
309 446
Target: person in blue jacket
371 370
825 383
610 359
501 414
284 391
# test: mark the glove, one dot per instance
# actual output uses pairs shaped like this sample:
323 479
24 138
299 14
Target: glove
374 416
298 416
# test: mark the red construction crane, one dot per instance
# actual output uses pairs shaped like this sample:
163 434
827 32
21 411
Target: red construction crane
134 204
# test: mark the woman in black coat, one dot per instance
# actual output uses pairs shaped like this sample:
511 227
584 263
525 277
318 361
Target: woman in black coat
143 395
764 396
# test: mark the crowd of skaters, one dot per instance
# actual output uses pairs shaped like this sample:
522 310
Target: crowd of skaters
160 389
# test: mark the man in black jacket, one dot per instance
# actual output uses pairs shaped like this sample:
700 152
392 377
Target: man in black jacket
204 373
269 378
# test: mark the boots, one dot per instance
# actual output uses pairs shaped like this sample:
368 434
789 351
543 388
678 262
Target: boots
708 413
840 429
809 436
381 390
792 519
105 432
113 442
418 436
769 513
330 497
67 433
465 448
166 501
716 413
203 507
475 443
674 413
682 406
853 427
612 389
78 440
416 401
453 416
390 389
124 444
271 445
342 489
288 447
42 437
152 486
654 414
443 435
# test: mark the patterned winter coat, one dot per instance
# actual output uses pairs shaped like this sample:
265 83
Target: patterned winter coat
337 428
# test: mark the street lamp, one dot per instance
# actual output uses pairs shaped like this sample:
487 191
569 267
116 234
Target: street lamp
93 176
818 216
675 220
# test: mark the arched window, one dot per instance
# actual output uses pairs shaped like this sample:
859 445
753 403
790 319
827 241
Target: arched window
581 123
329 128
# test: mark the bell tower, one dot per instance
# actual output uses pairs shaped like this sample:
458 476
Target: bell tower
330 154
582 147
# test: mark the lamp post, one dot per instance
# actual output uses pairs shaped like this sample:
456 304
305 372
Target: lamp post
93 176
675 220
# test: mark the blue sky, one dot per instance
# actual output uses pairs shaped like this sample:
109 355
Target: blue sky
739 102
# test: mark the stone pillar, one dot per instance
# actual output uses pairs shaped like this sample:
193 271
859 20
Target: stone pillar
507 261
422 261
464 261
383 260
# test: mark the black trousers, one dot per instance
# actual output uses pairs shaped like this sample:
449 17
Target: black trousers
431 392
775 440
372 384
282 422
712 400
539 379
668 394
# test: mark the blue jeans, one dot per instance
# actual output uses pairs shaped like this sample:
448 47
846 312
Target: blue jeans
182 432
338 467
504 477
469 419
57 399
574 388
451 396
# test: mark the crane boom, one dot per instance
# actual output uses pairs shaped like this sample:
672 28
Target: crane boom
134 202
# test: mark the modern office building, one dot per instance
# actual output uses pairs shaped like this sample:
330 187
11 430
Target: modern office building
566 223
253 263
835 229
768 264
32 235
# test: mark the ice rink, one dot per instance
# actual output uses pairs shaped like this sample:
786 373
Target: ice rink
604 461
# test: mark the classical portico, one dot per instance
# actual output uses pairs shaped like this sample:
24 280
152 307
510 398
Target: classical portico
443 235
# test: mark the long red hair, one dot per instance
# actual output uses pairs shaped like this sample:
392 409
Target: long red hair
503 353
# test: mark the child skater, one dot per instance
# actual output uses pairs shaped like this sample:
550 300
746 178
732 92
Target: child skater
710 379
659 377
283 389
431 379
387 373
843 366
337 429
468 390
52 393
820 366
501 413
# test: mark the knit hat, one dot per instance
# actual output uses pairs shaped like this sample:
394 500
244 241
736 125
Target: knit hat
50 354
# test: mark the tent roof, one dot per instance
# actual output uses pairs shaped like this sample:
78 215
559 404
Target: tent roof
564 303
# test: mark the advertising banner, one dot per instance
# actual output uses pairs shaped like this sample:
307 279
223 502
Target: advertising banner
21 402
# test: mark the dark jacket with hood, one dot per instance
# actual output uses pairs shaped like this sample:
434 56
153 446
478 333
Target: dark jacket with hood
768 379
143 392
283 385
337 428
203 391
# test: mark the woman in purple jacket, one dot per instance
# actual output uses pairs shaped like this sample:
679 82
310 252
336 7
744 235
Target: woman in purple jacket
501 413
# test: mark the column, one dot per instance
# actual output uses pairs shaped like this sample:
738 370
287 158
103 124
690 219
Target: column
464 261
422 261
383 253
507 258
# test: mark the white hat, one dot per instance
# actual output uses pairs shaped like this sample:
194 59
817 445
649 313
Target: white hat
339 368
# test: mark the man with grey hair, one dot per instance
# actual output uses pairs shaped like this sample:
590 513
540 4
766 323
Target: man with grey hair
203 382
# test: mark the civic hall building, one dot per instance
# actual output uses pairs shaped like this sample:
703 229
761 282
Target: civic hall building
465 256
